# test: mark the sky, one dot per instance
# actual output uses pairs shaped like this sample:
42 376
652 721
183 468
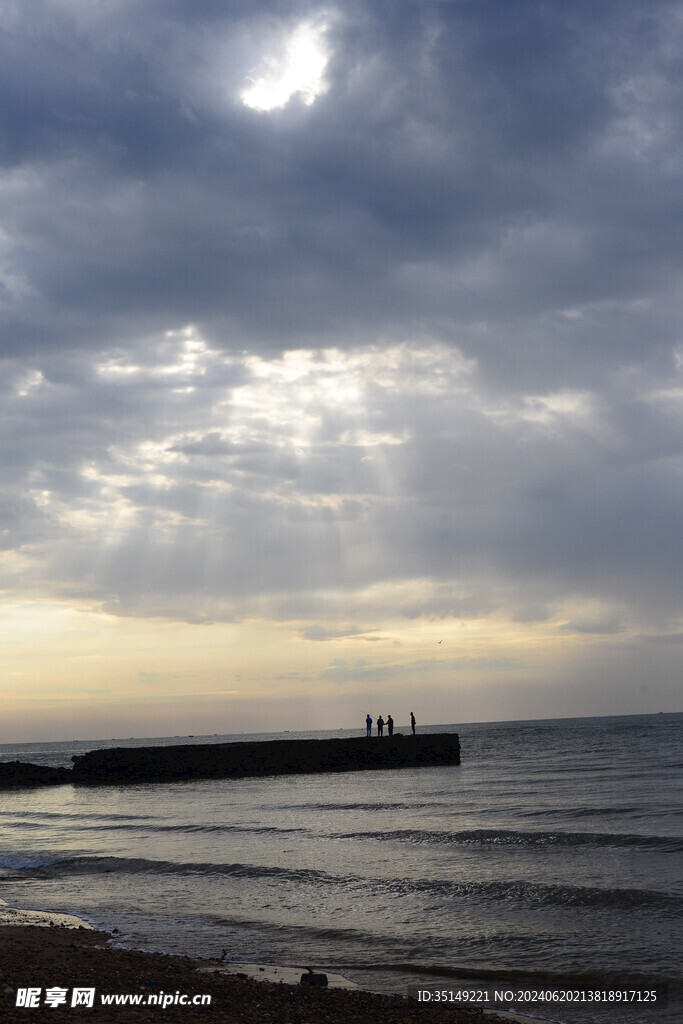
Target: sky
341 365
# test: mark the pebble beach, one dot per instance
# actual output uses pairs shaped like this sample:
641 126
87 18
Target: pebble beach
58 955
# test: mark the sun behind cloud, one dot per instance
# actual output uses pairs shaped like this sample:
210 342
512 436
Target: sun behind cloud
298 70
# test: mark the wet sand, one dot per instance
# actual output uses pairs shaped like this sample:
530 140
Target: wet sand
65 956
39 918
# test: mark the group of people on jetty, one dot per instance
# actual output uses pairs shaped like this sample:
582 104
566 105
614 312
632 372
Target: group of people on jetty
389 724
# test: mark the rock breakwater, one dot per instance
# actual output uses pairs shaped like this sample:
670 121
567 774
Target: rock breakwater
117 765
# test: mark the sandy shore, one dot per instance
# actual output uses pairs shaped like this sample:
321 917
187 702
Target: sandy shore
65 956
39 918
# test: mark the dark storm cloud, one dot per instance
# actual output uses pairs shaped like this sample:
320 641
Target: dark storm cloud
142 194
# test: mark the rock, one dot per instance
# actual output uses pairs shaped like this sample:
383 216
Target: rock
314 978
19 775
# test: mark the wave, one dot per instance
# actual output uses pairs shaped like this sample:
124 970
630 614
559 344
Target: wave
482 837
515 977
501 893
76 816
149 824
90 865
511 837
26 860
586 812
392 805
540 894
192 829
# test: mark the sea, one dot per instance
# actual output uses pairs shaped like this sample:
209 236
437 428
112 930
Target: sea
549 860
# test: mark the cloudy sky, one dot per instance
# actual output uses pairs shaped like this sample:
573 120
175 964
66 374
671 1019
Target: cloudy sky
341 366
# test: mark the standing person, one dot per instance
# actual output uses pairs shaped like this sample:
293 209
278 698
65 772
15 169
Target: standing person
368 725
412 722
380 726
390 725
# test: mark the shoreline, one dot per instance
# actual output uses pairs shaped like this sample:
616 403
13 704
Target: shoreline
65 957
18 917
44 950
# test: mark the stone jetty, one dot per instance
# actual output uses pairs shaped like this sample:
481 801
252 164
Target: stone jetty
182 762
117 765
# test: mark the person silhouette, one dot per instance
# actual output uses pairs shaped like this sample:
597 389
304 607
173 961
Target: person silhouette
390 725
412 722
380 726
368 725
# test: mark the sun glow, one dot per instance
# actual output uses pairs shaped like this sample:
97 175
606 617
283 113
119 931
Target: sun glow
297 71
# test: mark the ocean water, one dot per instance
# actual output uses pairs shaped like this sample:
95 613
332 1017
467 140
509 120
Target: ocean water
553 855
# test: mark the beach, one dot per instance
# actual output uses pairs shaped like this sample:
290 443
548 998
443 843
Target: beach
66 957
